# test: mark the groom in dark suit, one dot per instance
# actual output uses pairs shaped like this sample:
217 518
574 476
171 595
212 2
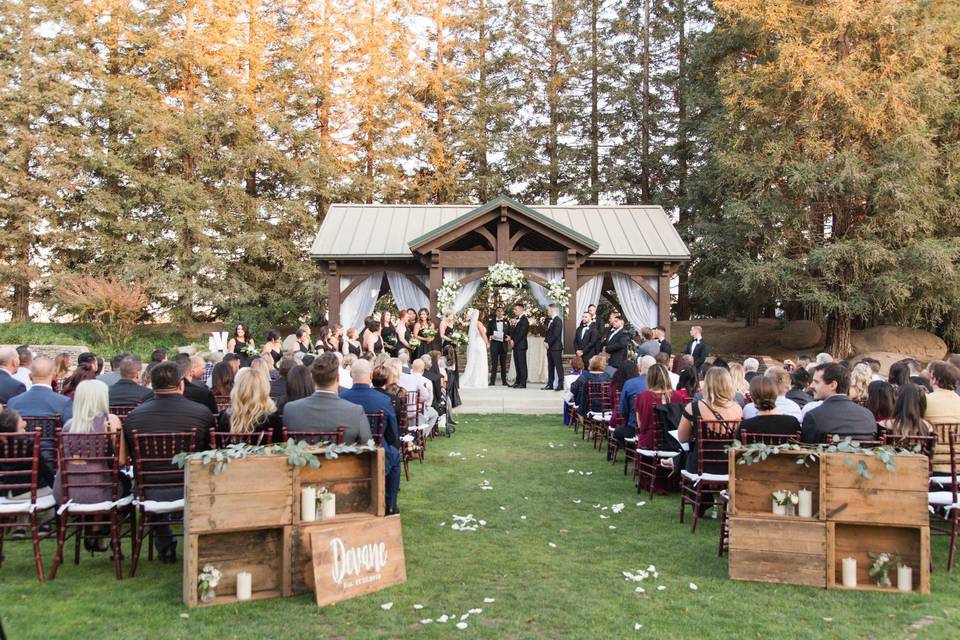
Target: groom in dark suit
498 330
554 344
518 338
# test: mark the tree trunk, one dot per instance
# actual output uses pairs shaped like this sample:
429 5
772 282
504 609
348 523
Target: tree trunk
645 115
839 344
553 100
594 108
683 293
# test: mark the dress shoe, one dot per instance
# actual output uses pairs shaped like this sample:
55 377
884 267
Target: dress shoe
393 511
546 388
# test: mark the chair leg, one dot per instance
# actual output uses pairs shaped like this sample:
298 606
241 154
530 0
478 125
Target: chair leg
138 542
3 531
683 501
35 534
115 544
698 501
952 556
150 545
723 530
61 540
78 536
406 468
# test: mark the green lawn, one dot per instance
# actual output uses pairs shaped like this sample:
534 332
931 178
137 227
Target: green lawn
142 343
575 590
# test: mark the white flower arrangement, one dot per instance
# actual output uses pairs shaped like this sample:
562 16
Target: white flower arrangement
505 274
209 578
458 338
559 292
447 294
782 498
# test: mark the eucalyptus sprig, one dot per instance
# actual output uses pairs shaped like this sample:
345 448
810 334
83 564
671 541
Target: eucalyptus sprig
886 454
298 454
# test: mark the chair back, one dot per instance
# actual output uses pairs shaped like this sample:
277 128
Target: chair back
926 444
220 439
941 458
89 462
771 439
714 437
48 427
863 442
412 407
315 437
598 397
152 460
122 410
20 463
223 403
377 422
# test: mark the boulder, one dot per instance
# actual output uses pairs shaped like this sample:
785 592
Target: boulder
885 358
922 345
801 334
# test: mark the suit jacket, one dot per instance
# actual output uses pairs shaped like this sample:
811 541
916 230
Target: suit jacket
128 393
110 378
699 354
587 341
554 337
373 401
435 382
199 393
666 347
840 415
492 326
41 400
519 333
278 389
616 346
325 411
9 386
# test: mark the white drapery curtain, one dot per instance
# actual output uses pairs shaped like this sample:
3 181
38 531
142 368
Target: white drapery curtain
641 310
359 304
539 291
466 292
405 291
589 294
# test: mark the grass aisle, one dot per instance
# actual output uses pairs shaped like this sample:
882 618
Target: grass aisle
573 590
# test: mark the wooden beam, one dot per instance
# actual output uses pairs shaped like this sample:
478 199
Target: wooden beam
457 232
436 281
663 308
537 227
515 238
333 293
466 259
630 269
539 259
645 286
570 279
503 236
482 230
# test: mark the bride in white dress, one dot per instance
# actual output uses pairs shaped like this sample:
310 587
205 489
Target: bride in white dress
476 372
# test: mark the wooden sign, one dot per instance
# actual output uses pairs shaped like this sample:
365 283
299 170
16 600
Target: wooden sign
357 558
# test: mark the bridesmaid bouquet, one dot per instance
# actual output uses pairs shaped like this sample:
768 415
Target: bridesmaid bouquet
458 338
391 340
413 342
429 334
251 351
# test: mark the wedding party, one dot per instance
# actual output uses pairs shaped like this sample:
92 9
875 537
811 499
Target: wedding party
498 319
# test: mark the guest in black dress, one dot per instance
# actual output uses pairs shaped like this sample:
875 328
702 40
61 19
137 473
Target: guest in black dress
351 344
240 342
763 392
388 331
424 324
373 341
304 343
274 346
251 408
403 331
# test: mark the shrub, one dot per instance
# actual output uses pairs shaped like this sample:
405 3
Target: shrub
111 306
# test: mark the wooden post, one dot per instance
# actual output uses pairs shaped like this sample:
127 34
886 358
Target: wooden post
663 304
436 281
571 320
333 293
503 237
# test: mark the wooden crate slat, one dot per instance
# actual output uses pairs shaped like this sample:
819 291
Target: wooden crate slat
214 512
876 506
751 485
778 567
793 535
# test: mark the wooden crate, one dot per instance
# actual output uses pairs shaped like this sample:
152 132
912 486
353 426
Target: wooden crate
356 479
249 493
891 498
779 549
264 553
856 540
751 485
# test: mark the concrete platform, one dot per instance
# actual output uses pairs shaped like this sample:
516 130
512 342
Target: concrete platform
498 399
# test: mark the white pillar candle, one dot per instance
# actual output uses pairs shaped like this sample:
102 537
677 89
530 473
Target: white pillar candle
904 578
328 506
850 573
244 586
806 503
308 504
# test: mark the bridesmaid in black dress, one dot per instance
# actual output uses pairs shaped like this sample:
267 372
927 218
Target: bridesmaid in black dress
240 342
388 331
274 346
351 344
403 331
304 343
424 323
373 341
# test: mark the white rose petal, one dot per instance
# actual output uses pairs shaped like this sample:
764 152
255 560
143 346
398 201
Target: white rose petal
442 619
475 611
523 517
589 473
483 523
571 471
577 501
693 586
488 600
503 508
661 588
637 626
640 590
386 606
465 616
462 625
641 503
603 517
418 606
426 621
612 527
551 545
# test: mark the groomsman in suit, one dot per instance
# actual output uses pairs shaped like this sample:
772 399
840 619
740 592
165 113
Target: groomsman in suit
554 343
498 330
586 342
665 346
518 338
616 342
697 347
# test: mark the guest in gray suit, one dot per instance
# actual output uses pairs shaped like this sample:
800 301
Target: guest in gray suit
324 410
837 414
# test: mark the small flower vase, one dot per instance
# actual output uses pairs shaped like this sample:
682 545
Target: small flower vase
779 509
883 580
207 595
791 509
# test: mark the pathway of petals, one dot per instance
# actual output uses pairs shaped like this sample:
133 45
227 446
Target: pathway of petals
513 528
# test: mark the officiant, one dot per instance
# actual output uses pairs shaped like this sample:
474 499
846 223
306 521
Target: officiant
498 328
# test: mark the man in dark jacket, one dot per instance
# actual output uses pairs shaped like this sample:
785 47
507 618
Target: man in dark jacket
127 391
194 387
498 331
837 414
586 341
616 343
554 344
9 386
518 338
661 337
697 347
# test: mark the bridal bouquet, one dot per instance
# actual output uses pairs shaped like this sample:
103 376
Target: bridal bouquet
391 340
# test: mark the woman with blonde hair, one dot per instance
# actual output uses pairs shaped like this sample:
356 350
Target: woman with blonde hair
738 376
91 414
262 365
718 403
61 369
860 379
251 408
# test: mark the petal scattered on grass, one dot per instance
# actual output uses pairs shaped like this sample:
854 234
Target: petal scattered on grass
476 611
640 590
578 501
462 625
551 545
523 517
693 587
637 626
443 618
612 527
661 588
418 606
386 606
426 621
489 600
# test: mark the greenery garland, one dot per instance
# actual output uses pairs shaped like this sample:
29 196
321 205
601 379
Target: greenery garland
886 454
298 454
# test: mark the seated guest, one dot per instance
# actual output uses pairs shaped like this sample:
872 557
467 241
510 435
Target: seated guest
324 410
299 385
836 414
386 380
221 383
11 422
41 399
688 383
233 360
432 375
415 381
664 358
899 374
943 405
62 366
860 378
373 401
168 412
766 414
278 387
127 391
251 408
213 359
191 368
404 357
156 357
110 378
785 406
739 376
918 375
92 415
907 416
9 386
626 383
649 346
658 391
718 403
880 400
23 371
597 372
751 366
576 370
86 370
799 381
